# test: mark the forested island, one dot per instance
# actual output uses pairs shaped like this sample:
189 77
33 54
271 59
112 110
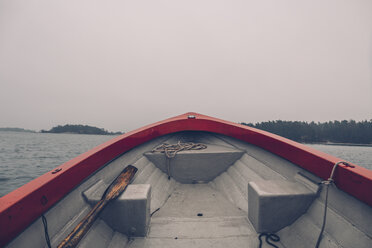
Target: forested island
80 129
328 132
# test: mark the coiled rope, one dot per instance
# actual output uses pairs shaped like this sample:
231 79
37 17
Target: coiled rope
269 237
327 183
171 150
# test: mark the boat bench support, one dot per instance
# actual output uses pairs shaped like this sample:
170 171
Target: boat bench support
129 213
197 166
274 204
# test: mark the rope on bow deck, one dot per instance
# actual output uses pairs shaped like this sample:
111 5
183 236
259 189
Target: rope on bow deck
170 150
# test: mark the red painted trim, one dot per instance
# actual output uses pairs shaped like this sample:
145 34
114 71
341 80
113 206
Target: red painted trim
21 207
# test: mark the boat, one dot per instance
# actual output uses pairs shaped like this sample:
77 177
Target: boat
197 181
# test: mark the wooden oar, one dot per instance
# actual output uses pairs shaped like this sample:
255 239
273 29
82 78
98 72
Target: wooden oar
111 193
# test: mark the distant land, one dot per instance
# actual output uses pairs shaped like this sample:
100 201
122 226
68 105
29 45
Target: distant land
332 132
16 129
80 129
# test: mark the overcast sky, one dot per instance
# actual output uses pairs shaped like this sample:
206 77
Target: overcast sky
121 64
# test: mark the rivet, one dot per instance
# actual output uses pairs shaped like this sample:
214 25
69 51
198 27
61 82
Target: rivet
43 200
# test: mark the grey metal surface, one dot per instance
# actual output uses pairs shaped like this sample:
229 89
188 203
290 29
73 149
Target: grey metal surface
63 217
274 204
349 221
223 203
129 213
199 216
196 166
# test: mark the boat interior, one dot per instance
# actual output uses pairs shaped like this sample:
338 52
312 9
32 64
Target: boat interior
221 196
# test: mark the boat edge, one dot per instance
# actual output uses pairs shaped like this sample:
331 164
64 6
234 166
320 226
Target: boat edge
21 207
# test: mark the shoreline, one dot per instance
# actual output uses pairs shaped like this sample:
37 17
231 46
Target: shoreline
337 144
109 134
114 134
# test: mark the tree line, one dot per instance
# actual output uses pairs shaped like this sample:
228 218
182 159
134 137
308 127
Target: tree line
332 131
79 129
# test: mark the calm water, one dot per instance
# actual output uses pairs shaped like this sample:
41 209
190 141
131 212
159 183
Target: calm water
25 156
360 155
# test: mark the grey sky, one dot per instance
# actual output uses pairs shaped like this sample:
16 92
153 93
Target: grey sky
122 64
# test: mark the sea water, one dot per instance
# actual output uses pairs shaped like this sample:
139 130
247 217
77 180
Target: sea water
26 156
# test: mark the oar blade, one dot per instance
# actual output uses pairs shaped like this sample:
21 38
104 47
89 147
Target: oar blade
120 183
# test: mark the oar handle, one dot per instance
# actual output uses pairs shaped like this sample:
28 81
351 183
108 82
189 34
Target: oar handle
111 193
83 227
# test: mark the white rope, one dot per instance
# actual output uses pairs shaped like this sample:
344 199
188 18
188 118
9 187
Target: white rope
171 151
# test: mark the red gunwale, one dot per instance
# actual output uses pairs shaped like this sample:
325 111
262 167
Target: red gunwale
24 205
